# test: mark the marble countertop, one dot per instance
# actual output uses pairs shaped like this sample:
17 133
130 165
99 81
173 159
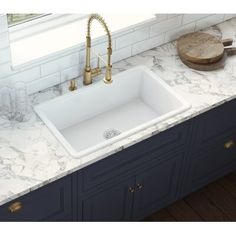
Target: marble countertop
30 156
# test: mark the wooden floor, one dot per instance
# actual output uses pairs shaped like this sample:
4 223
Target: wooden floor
215 202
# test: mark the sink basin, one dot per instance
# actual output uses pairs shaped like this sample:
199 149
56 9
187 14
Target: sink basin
98 115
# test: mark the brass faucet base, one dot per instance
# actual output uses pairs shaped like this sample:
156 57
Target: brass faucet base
89 74
87 77
107 81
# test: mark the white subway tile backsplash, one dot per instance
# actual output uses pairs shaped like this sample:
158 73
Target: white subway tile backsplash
147 44
5 69
27 75
129 39
174 34
208 21
5 82
188 18
172 15
3 24
43 83
59 64
161 17
122 32
121 54
70 73
4 40
69 64
166 25
82 56
99 48
5 55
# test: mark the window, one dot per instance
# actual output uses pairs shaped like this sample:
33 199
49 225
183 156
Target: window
25 25
51 34
15 19
37 35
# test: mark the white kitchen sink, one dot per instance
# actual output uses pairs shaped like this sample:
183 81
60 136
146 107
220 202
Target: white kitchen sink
98 115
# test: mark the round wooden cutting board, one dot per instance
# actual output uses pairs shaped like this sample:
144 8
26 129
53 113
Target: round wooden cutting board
206 67
200 48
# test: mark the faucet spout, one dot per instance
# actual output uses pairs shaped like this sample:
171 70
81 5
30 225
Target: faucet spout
89 72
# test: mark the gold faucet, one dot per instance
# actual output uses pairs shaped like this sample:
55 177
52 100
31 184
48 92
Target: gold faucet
89 72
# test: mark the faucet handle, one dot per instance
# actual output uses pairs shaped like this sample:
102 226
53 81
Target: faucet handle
97 70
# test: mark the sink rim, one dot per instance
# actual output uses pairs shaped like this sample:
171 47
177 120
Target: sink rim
79 154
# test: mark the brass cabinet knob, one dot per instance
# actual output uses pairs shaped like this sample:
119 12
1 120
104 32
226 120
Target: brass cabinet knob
131 189
15 207
139 186
229 144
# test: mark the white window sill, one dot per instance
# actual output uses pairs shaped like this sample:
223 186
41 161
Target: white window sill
62 39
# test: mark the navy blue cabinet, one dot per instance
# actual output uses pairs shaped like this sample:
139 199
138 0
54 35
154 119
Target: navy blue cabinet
212 153
209 165
214 127
135 182
50 203
157 186
110 204
138 196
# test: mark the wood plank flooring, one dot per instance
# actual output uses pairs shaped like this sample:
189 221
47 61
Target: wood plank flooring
215 202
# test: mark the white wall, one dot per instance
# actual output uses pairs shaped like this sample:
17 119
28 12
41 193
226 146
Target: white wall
66 65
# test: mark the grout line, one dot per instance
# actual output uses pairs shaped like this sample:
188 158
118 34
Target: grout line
5 62
182 19
195 27
5 48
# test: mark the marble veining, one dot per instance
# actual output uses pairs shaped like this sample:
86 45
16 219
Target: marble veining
30 156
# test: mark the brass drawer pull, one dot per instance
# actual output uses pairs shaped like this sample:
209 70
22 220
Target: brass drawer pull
131 189
139 186
229 144
15 207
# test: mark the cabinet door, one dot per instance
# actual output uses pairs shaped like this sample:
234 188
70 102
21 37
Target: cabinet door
208 165
111 204
213 150
49 203
157 186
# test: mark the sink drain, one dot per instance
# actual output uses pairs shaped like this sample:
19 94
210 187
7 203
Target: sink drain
111 133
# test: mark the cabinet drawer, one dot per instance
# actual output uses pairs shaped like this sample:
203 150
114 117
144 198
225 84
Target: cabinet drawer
134 156
208 165
49 203
215 124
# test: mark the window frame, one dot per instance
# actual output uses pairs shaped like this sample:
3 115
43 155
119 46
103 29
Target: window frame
23 21
40 24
